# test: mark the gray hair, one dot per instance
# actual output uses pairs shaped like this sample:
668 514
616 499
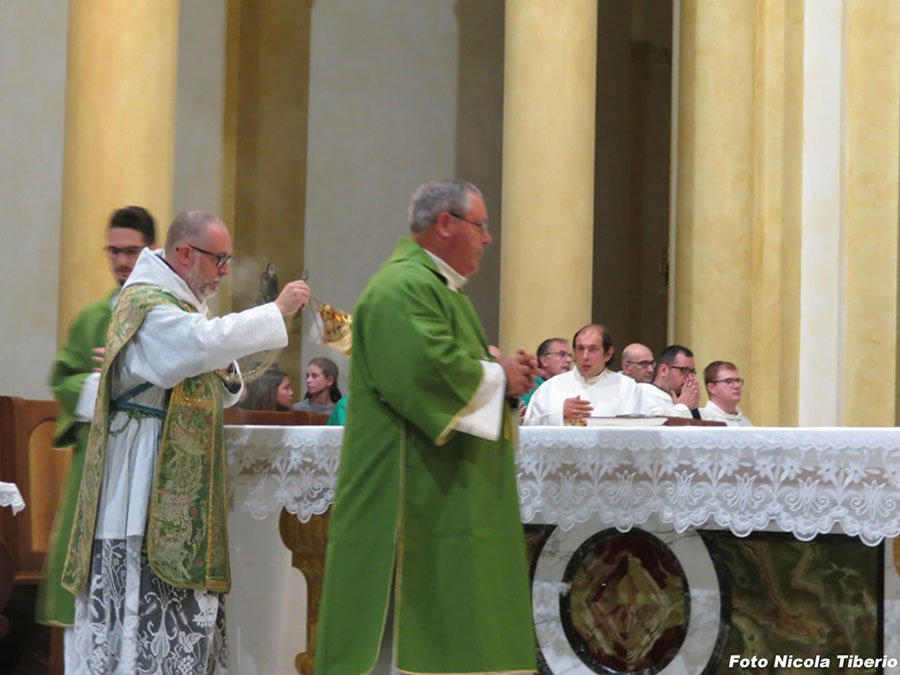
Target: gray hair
188 226
432 198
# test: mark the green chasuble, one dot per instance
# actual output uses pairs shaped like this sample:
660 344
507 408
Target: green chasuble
438 509
55 605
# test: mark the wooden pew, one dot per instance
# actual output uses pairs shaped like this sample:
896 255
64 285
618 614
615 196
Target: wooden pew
274 418
27 458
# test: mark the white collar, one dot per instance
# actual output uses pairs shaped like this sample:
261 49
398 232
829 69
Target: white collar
590 381
734 415
152 268
455 280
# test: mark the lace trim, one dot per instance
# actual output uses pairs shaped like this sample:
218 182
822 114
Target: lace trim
803 481
10 496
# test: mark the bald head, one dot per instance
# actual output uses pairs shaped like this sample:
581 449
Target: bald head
189 227
637 362
198 247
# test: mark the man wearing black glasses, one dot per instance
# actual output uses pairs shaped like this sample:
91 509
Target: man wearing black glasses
724 384
674 391
637 362
74 385
148 552
426 513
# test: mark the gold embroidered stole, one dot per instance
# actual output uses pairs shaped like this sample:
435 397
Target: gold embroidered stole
187 543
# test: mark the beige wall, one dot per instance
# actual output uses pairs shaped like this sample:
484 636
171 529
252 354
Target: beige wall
787 221
201 94
32 79
401 92
31 132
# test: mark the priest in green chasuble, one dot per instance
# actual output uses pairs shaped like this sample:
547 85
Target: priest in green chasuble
426 569
74 383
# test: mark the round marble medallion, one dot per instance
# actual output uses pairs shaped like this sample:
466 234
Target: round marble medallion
637 602
627 606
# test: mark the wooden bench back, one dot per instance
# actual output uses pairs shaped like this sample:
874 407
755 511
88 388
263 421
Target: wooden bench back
28 459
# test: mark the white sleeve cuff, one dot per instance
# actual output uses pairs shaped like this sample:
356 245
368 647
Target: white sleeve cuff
485 413
84 409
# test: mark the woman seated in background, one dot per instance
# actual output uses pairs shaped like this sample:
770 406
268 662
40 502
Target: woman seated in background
270 391
321 386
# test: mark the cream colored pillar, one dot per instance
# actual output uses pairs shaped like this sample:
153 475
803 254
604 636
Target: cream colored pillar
869 383
736 234
715 208
119 136
548 169
786 228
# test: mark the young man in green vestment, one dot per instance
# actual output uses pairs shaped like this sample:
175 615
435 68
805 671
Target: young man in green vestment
72 379
426 515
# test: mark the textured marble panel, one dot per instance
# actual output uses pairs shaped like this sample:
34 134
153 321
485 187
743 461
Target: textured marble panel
803 599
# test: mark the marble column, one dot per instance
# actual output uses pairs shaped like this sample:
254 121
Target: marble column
119 133
785 246
548 170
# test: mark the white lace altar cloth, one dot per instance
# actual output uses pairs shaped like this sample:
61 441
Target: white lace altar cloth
805 481
10 496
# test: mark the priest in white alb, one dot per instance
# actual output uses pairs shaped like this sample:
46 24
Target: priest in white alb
724 386
674 391
590 389
148 554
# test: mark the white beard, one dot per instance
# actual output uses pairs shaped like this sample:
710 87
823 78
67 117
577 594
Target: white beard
201 288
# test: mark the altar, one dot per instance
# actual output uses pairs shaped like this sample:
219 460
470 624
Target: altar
664 550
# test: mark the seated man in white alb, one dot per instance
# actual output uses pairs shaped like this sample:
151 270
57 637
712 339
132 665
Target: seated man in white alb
674 391
588 389
637 362
723 384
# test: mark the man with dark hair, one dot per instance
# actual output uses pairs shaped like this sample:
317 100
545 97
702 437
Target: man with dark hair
589 389
148 553
674 391
426 512
74 384
723 385
553 357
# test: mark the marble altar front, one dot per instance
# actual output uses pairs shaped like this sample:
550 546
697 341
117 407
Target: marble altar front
703 509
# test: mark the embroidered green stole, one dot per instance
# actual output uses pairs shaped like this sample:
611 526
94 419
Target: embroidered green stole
187 541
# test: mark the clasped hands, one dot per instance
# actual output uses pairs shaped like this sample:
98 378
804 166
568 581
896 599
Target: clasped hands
690 393
520 370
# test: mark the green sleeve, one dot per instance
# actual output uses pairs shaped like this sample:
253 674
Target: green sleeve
73 364
422 365
339 414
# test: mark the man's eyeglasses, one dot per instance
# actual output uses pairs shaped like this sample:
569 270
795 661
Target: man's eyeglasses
480 226
685 370
730 381
221 259
642 364
127 251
